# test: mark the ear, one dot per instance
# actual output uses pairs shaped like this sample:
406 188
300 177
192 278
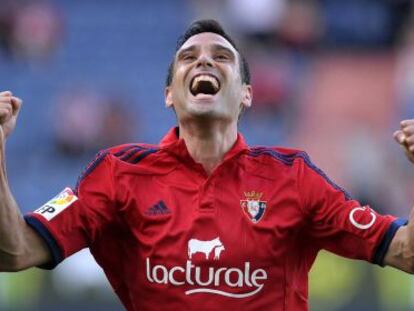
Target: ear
168 97
247 96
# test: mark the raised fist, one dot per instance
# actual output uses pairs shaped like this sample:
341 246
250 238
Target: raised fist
9 109
405 137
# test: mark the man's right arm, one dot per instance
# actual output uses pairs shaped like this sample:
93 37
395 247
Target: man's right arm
20 246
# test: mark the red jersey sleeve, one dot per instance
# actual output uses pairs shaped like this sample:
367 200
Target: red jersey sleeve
73 219
339 223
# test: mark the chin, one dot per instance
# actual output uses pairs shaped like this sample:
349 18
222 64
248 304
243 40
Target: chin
204 113
209 115
203 100
202 105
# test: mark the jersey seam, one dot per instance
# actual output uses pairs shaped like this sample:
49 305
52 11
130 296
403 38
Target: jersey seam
100 157
279 160
140 152
289 159
285 305
112 179
302 201
302 205
301 209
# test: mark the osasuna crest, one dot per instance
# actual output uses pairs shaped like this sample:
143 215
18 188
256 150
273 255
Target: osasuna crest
252 206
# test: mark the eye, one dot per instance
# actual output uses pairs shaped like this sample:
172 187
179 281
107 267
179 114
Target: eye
222 57
188 57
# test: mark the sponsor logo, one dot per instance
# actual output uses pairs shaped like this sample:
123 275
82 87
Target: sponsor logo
158 209
357 223
205 247
252 206
208 280
56 205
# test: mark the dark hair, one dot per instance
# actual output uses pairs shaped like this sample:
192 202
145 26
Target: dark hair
208 25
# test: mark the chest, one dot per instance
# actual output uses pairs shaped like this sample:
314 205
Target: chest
226 235
237 214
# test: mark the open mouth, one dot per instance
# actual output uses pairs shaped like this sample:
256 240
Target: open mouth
204 84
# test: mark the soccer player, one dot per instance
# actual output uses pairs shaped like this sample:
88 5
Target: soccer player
202 221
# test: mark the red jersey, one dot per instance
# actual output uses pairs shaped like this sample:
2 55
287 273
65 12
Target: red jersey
170 237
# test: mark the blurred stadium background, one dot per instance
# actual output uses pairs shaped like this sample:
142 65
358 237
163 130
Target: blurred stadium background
332 77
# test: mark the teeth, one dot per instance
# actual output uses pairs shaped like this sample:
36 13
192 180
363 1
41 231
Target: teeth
205 78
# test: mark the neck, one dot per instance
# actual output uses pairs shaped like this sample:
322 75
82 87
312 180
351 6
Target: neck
207 144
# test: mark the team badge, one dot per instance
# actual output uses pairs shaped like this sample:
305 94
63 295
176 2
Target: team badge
252 206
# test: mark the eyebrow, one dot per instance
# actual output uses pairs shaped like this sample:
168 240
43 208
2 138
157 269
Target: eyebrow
215 46
220 47
183 51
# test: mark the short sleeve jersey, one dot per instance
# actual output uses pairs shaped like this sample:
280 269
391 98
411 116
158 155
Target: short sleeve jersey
244 237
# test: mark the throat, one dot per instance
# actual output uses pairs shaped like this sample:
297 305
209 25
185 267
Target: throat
208 149
209 165
207 154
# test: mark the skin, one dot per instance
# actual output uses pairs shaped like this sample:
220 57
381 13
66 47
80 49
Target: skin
20 246
401 250
208 125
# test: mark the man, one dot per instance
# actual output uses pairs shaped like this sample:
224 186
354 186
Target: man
202 221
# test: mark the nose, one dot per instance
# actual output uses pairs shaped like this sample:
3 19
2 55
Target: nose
204 60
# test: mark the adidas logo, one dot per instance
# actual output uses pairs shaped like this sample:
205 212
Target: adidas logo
158 209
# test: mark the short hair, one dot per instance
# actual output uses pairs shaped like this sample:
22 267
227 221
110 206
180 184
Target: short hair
208 25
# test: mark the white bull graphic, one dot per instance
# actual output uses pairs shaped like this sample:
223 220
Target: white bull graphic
198 246
217 252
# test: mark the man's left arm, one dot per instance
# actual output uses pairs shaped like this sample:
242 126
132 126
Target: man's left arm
400 253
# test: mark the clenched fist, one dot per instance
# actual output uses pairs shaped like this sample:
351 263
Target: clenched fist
405 137
9 109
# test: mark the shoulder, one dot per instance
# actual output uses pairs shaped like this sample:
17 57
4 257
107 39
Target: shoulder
130 153
128 148
293 159
139 158
296 162
282 155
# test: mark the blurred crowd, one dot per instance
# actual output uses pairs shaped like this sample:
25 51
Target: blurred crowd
331 77
30 30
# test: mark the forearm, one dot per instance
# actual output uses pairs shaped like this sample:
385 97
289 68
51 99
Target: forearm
400 253
13 245
20 246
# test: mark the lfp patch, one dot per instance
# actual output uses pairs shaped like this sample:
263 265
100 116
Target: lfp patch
59 203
